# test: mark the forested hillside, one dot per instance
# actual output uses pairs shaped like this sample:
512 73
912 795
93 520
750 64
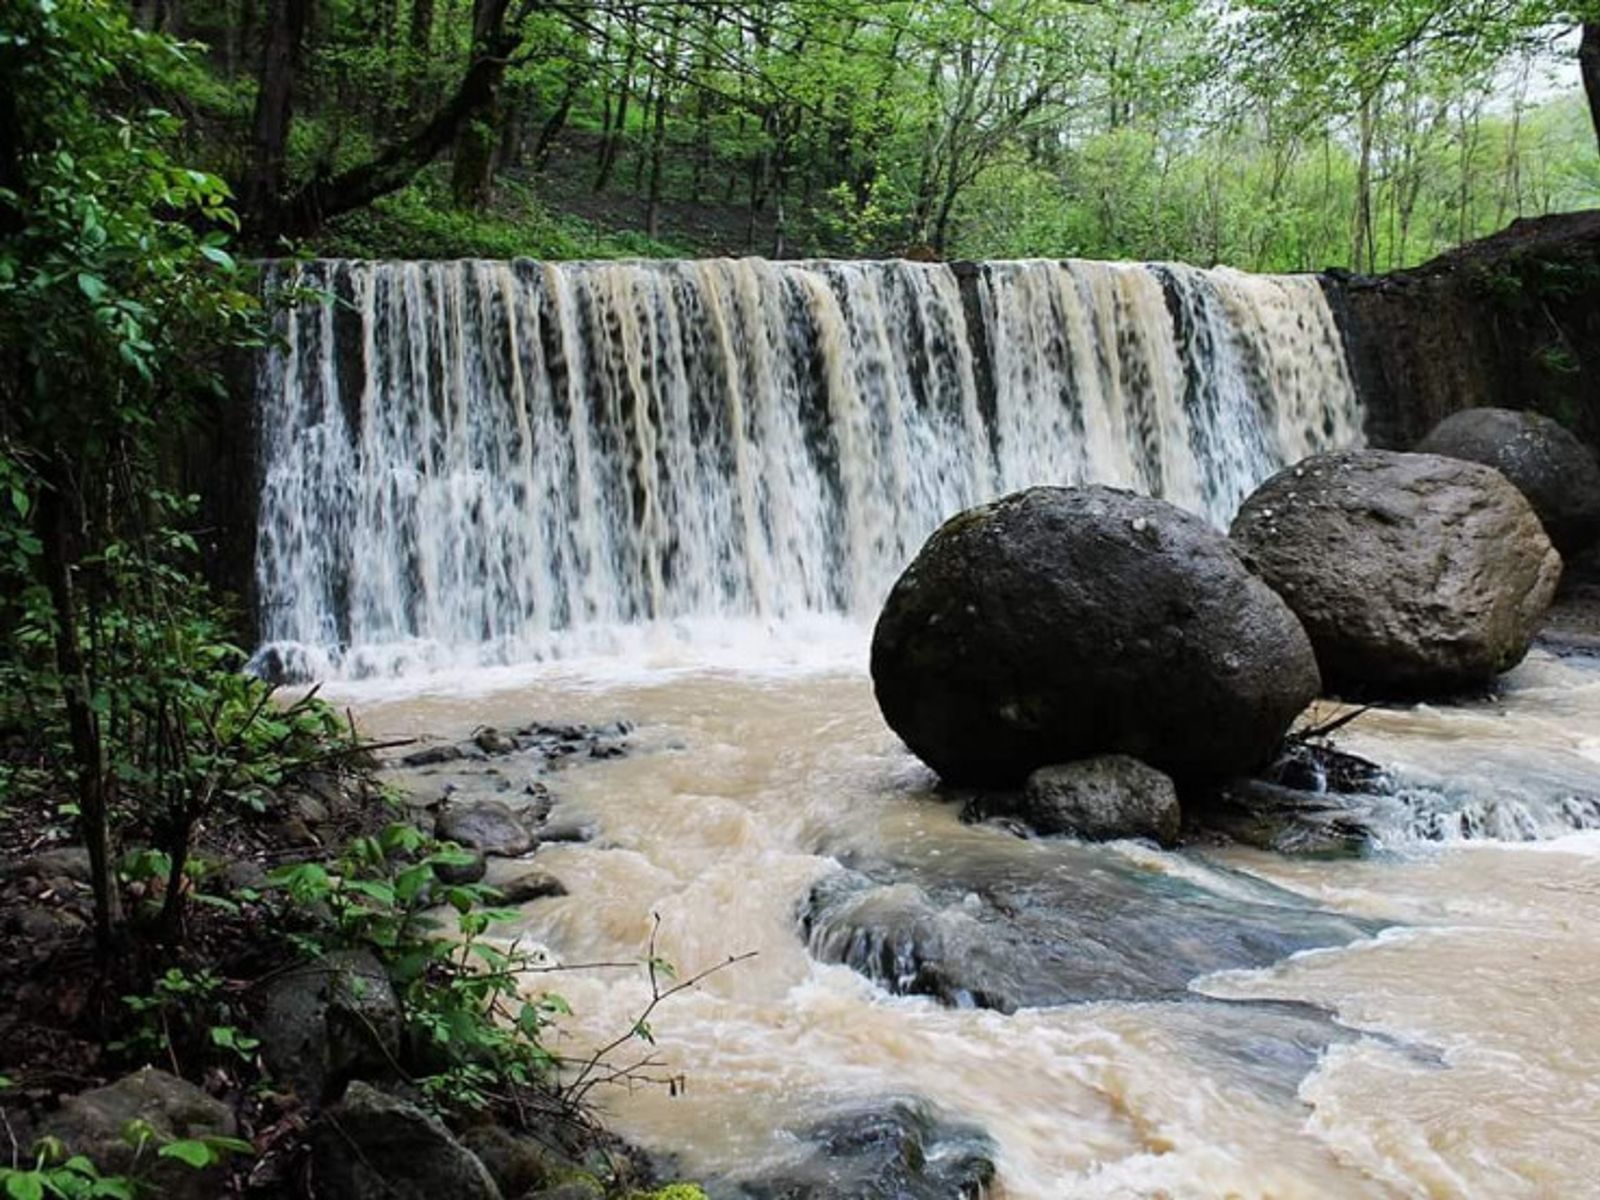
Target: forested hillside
1273 134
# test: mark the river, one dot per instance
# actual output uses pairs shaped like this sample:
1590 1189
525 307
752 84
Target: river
1448 1053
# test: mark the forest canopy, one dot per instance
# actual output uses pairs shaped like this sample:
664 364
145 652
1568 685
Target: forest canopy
1269 134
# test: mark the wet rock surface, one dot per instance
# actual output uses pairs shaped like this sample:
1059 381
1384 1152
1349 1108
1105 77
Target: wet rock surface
487 795
327 1020
894 1150
1542 458
550 745
1033 924
1319 801
1102 798
1059 623
519 884
374 1146
93 1123
1413 574
490 826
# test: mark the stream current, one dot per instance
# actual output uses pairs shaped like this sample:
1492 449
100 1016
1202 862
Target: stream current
1414 1022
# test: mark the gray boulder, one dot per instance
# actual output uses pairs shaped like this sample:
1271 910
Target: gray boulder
1413 574
1547 463
1061 623
1097 799
327 1021
373 1146
491 826
93 1124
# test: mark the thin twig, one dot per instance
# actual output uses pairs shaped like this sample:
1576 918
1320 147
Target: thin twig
586 1079
11 1136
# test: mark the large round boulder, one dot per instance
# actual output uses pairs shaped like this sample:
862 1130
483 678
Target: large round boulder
1414 574
1061 623
1547 463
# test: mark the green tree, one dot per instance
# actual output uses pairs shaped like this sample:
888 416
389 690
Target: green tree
116 290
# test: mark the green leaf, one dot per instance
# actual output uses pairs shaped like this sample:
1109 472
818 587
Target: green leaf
92 286
196 1153
219 256
25 1186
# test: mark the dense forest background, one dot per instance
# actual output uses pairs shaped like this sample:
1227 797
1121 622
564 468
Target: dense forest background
1274 134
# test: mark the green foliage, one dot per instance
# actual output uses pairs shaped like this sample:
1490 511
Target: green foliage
117 293
184 1015
468 1020
56 1174
419 222
114 261
1277 134
75 1179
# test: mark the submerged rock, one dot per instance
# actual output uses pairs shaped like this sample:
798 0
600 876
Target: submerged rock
1547 463
898 1150
1288 820
525 884
1413 574
433 756
1097 799
1004 924
556 742
1060 623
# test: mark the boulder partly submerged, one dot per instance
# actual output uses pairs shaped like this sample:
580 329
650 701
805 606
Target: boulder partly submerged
1541 457
1062 623
1414 574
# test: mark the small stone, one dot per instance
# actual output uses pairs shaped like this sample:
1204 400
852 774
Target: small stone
246 874
527 886
459 874
491 826
45 924
432 756
492 741
310 809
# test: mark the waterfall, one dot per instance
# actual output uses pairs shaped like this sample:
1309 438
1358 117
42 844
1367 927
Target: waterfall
477 461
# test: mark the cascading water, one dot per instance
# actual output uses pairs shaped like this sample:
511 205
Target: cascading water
478 461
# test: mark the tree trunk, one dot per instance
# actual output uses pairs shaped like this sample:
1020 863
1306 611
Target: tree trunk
512 125
612 142
1361 240
54 517
263 192
551 129
1589 68
420 34
472 174
322 198
658 142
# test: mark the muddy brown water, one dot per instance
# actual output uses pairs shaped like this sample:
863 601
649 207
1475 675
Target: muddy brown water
1452 1054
